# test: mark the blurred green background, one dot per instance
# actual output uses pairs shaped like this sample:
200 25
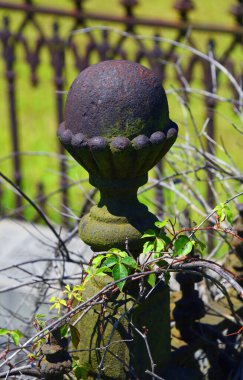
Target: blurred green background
36 105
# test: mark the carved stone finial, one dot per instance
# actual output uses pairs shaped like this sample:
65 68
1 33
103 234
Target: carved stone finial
117 127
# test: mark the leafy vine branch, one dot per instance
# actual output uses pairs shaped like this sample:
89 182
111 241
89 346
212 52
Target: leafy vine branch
165 250
64 322
194 265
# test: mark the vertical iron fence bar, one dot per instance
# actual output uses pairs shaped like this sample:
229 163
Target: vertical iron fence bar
40 200
57 48
9 58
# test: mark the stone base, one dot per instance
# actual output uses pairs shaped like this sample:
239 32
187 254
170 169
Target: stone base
108 338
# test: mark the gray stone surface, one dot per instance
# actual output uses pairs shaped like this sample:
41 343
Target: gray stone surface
22 292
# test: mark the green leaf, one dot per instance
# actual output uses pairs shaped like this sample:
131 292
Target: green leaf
152 279
201 244
149 233
64 330
110 262
63 302
162 263
52 299
16 335
220 211
80 372
167 277
122 254
4 332
161 224
67 287
164 237
229 214
41 324
102 271
129 261
114 250
75 361
75 336
183 246
159 245
97 260
78 288
119 271
39 316
148 247
78 297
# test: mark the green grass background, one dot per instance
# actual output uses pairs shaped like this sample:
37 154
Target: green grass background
36 106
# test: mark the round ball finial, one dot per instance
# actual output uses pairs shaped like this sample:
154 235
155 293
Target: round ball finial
116 98
117 127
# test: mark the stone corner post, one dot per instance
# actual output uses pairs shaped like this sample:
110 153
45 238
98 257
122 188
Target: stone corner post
117 127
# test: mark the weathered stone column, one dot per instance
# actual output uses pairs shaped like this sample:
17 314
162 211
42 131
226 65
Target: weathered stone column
117 127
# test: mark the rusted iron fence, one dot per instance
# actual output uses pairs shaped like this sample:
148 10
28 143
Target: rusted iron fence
102 46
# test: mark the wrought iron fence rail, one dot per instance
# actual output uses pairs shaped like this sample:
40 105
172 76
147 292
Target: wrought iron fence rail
81 16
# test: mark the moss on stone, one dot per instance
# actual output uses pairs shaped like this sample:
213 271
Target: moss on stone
99 328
